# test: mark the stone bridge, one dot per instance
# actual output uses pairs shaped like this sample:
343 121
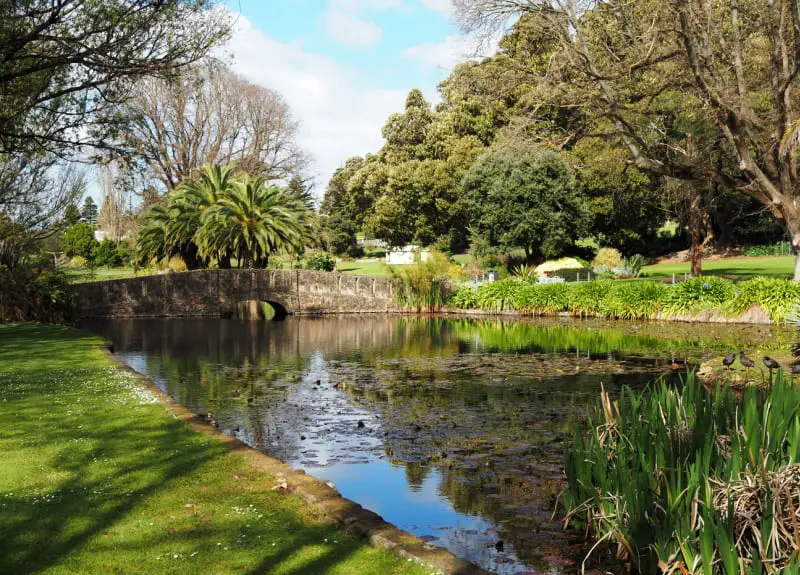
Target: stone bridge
216 293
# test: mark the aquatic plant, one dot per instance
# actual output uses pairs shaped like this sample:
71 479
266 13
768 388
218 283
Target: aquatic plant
502 295
424 286
777 297
633 300
465 297
697 294
546 299
585 299
691 480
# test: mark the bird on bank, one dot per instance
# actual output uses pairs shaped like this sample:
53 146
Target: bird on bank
771 363
746 361
728 360
796 369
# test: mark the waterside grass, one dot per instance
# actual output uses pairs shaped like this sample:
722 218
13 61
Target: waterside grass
97 477
691 480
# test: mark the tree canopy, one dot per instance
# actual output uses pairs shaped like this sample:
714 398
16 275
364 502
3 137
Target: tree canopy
527 198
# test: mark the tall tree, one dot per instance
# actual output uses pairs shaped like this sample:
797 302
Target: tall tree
89 211
207 114
66 64
525 197
632 63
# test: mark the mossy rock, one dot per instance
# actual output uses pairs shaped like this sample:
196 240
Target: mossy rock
712 372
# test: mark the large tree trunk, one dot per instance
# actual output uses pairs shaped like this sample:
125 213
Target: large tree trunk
696 225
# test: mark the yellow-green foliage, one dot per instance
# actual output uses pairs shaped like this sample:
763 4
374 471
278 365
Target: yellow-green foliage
607 258
777 297
634 299
425 285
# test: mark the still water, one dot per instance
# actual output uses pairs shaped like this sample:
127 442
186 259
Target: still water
452 429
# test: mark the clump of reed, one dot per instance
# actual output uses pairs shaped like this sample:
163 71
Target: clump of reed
691 480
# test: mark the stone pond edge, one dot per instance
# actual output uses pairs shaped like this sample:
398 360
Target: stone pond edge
347 515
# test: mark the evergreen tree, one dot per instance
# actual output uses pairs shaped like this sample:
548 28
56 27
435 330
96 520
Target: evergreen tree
89 211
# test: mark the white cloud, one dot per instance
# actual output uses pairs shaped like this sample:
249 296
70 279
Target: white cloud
338 120
351 31
354 5
442 55
445 55
443 6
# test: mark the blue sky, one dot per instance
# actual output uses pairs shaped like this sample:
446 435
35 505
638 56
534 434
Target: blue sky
344 65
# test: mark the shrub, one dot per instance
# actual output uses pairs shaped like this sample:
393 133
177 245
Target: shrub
777 297
322 262
78 240
525 273
424 285
586 298
607 258
633 300
546 299
34 294
78 262
777 249
696 294
686 479
465 297
502 295
176 264
107 254
630 267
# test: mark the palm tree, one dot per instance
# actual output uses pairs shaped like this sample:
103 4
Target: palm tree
192 198
172 229
152 242
253 221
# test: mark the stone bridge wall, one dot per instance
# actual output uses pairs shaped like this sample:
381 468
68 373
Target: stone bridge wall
216 293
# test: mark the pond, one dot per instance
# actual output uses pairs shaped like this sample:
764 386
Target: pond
450 428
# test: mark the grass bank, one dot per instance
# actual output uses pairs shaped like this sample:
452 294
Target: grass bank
743 267
97 477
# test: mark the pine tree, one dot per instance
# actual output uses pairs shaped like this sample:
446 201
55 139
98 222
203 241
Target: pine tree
89 211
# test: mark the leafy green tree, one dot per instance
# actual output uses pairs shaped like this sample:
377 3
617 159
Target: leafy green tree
253 221
72 215
78 240
526 197
341 235
89 211
107 254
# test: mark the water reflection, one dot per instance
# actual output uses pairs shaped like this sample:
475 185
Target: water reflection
449 428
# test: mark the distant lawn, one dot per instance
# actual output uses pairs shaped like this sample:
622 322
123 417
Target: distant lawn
378 268
83 275
778 266
97 477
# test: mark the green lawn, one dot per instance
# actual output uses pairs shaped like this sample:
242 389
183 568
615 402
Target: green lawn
98 478
744 267
377 268
84 275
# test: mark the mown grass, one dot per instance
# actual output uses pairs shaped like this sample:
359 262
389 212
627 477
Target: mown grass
743 267
76 275
98 478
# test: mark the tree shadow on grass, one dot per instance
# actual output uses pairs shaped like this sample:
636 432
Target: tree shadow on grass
36 533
